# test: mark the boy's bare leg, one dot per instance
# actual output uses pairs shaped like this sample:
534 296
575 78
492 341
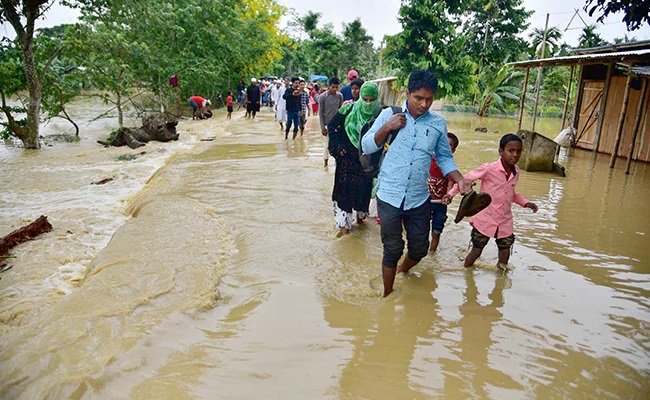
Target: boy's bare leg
388 275
472 256
406 264
504 256
435 239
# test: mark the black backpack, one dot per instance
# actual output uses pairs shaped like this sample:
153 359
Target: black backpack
372 162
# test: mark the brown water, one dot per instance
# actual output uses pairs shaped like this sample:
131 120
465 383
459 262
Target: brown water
221 278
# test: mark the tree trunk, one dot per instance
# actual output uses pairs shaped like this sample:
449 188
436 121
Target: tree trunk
120 116
25 34
484 106
35 96
66 116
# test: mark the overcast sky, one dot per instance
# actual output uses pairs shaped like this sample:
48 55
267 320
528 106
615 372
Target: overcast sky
379 17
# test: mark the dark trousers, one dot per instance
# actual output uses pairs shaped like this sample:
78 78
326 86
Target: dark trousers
293 117
416 223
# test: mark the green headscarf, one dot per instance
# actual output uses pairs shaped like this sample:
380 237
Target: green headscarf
362 112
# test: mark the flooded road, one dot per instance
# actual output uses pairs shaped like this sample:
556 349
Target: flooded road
221 278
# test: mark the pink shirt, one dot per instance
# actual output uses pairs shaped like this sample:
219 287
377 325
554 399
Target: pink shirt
496 219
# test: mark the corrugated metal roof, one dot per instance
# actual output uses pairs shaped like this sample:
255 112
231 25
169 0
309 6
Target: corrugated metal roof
639 45
645 70
642 56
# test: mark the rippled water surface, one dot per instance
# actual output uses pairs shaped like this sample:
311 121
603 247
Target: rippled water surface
209 269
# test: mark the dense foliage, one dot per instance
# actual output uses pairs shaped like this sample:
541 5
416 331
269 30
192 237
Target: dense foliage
312 49
122 49
635 13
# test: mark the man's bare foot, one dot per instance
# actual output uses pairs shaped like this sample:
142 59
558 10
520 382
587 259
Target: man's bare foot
342 232
406 265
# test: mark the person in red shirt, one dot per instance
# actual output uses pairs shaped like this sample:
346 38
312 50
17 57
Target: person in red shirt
199 106
229 103
498 179
438 187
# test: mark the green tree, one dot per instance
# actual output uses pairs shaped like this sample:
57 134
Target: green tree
553 45
108 53
590 38
554 86
636 13
492 30
498 87
358 49
64 80
309 22
209 45
429 40
13 80
22 15
624 39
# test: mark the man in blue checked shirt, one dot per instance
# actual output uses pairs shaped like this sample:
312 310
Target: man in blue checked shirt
403 194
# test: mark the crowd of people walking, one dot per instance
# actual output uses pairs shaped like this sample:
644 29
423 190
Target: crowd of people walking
401 158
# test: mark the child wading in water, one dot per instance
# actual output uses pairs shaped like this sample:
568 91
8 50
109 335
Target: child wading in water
498 179
229 103
438 186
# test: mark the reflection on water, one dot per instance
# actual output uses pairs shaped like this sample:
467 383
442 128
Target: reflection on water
222 277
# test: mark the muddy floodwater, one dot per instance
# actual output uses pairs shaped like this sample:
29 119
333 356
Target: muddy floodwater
210 269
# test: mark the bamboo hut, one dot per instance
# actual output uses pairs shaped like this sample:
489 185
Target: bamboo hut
611 110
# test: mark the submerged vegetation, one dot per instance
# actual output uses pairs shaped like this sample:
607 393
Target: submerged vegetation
124 48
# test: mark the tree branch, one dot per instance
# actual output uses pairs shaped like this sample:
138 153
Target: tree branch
17 130
13 17
53 57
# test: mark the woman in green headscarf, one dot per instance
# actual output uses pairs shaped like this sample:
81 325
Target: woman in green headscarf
352 187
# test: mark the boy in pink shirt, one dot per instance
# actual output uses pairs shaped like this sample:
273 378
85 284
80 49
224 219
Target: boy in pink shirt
498 179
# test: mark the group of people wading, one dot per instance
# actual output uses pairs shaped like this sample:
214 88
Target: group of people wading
418 176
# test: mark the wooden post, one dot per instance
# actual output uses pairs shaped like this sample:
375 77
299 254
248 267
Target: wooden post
568 95
603 105
538 83
621 117
578 106
637 122
522 102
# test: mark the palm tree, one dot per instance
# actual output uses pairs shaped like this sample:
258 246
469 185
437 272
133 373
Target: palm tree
589 38
310 21
553 45
497 87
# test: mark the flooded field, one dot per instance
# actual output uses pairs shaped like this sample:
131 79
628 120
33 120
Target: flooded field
210 269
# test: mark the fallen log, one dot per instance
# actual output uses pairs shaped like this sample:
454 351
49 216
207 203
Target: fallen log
101 182
27 232
160 127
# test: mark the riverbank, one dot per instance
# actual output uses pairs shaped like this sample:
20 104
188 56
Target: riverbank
58 181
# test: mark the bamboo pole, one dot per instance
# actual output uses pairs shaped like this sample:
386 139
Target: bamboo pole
538 83
603 106
621 117
578 106
568 95
522 102
637 122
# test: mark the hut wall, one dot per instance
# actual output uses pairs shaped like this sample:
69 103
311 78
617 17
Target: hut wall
388 94
610 122
586 130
